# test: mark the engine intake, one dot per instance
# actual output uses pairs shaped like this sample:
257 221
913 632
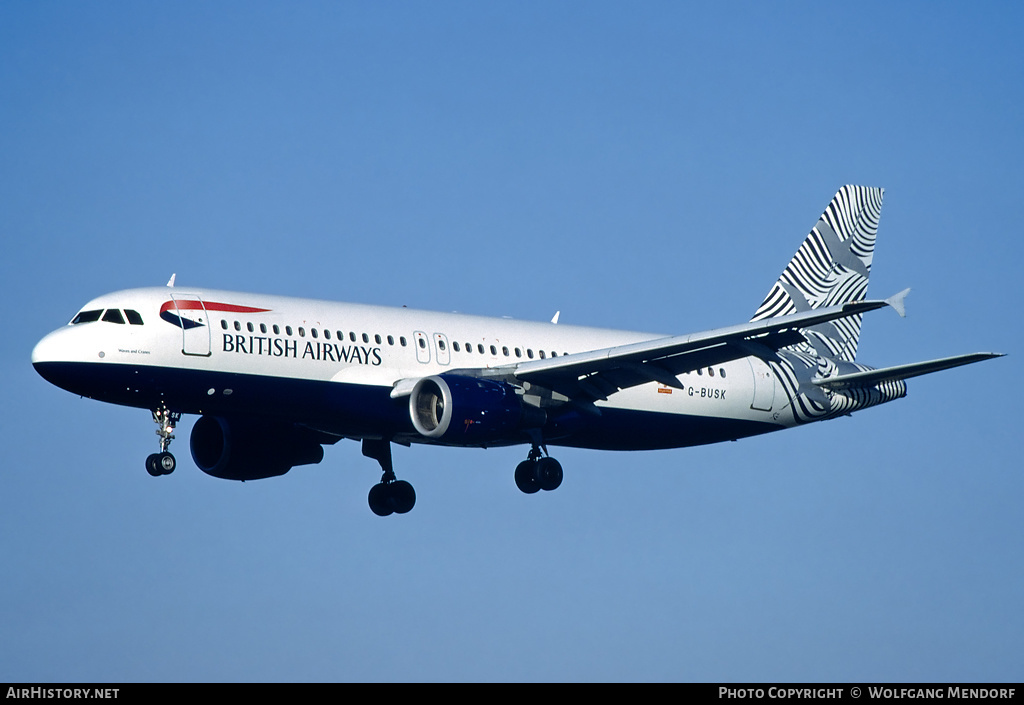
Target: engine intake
251 449
468 411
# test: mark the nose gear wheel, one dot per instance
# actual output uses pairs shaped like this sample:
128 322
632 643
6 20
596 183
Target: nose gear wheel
163 463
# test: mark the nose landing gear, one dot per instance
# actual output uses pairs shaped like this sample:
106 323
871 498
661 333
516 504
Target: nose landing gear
163 463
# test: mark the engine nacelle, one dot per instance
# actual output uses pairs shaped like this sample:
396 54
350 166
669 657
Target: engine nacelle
468 411
251 449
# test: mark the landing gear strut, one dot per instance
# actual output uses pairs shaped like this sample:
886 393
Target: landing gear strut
538 472
163 463
390 495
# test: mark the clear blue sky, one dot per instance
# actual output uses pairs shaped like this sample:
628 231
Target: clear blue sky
648 166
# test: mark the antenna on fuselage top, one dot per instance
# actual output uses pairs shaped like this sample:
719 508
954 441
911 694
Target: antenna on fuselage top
170 282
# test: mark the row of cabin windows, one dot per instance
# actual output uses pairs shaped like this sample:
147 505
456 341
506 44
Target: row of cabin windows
315 333
480 349
110 315
379 340
494 350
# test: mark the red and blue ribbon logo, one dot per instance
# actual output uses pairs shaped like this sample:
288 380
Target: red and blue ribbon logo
170 309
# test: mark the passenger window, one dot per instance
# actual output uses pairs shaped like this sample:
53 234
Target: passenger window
402 340
113 316
366 338
423 343
223 324
529 353
136 320
391 340
249 327
352 336
312 331
288 330
711 372
87 317
327 334
494 350
238 326
480 348
377 338
263 327
277 329
519 353
440 345
455 345
541 354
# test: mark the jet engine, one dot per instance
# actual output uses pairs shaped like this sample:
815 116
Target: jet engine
252 449
468 411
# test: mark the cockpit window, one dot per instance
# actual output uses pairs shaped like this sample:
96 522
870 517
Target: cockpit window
133 317
87 317
113 316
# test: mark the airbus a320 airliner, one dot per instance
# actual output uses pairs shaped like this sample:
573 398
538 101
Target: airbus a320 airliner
274 379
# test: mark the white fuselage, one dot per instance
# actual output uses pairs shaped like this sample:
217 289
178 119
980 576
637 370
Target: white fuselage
214 357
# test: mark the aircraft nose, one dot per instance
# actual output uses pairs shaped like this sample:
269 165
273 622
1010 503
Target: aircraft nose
43 357
57 359
45 350
50 355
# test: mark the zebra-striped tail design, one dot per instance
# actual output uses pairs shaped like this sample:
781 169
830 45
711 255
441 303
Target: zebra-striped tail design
830 268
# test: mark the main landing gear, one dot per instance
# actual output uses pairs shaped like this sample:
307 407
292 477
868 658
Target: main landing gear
537 472
393 496
163 463
390 495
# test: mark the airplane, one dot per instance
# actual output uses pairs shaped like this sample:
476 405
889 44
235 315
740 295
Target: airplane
275 379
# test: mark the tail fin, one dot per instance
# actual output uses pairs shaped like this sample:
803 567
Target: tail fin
831 268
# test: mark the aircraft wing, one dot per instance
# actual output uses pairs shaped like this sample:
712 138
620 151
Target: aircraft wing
594 375
887 374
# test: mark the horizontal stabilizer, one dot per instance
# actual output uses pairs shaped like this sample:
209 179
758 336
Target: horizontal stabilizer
887 374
